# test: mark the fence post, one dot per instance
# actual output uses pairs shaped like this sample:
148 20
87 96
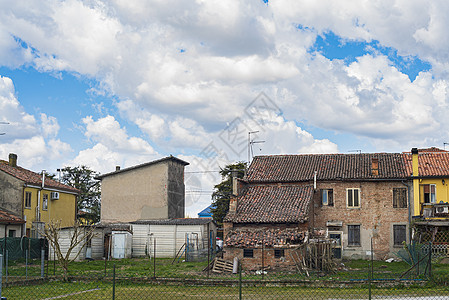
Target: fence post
263 248
1 274
371 271
154 259
208 249
240 281
42 262
26 263
105 265
6 266
430 260
113 282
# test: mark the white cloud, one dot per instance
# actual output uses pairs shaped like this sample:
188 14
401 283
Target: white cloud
50 126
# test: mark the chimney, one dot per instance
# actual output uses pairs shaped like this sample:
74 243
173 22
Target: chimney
117 168
13 160
415 162
375 166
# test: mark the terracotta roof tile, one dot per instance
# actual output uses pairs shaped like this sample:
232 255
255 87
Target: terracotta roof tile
296 168
34 178
430 164
272 204
268 237
7 217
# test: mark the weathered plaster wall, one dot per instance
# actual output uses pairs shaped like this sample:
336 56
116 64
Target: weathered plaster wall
176 190
11 193
135 194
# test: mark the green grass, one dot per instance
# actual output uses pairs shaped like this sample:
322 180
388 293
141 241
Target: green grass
130 290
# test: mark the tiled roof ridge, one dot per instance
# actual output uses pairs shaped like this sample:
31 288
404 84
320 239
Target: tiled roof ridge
34 178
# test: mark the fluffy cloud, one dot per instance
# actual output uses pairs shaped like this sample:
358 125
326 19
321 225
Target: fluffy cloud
112 146
35 143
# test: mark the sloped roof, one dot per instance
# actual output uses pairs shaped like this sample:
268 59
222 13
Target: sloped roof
7 217
271 237
297 168
168 158
272 204
206 211
431 164
33 178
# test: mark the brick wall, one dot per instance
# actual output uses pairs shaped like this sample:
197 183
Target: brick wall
255 263
376 216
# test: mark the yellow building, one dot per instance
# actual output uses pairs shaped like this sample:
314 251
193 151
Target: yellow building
429 172
36 198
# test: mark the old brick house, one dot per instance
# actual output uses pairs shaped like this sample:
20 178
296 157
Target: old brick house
351 198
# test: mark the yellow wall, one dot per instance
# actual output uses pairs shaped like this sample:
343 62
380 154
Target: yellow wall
441 192
62 209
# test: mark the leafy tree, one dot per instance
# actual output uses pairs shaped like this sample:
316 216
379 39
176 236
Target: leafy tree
82 178
223 191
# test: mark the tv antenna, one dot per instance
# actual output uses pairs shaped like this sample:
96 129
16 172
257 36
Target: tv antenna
250 144
3 123
357 151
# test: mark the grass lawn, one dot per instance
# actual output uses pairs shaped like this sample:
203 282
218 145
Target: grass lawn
131 290
163 268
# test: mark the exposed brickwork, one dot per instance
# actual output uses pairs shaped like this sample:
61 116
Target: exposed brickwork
376 215
269 261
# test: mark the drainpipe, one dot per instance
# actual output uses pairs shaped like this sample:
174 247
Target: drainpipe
409 210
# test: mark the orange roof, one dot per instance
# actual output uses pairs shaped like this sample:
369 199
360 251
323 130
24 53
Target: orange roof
430 163
7 217
33 178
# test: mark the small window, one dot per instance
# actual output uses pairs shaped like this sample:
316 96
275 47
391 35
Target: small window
248 252
27 199
400 198
327 198
11 233
429 193
45 202
278 253
353 235
353 198
399 234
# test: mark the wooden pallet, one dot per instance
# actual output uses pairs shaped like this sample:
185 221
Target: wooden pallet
221 265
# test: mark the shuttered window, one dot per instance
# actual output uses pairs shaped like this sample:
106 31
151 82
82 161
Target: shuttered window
400 198
399 234
353 235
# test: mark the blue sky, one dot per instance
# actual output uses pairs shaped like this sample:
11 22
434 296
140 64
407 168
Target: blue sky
111 83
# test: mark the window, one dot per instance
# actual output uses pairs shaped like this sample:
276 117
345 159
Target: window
11 233
27 199
429 193
353 197
45 202
399 234
327 197
278 253
400 198
248 252
353 235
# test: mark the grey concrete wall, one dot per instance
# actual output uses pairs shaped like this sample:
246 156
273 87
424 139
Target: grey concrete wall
11 193
176 190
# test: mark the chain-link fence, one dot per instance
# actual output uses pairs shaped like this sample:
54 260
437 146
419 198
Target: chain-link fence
418 275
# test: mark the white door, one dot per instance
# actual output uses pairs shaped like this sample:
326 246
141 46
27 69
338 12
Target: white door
119 246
